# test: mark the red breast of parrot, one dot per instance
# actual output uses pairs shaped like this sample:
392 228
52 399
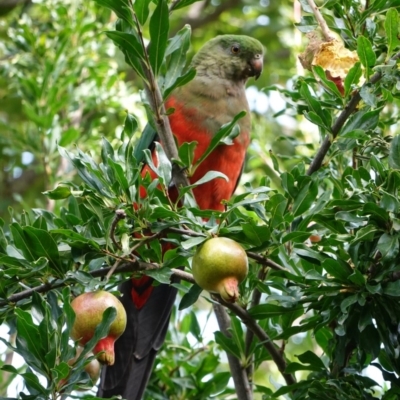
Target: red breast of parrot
213 98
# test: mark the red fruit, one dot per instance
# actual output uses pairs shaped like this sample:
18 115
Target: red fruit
219 265
89 309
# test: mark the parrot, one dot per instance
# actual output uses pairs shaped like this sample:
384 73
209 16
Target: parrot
214 97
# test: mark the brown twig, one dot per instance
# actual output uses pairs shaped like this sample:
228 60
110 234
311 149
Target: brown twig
265 261
321 21
119 215
340 121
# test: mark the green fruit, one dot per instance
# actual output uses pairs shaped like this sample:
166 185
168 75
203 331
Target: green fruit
89 309
219 265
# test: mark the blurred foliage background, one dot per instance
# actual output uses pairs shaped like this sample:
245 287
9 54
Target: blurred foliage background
63 81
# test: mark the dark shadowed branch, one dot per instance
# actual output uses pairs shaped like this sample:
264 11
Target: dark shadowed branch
240 379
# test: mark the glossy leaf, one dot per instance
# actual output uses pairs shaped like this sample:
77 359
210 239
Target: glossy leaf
365 52
141 8
159 28
392 30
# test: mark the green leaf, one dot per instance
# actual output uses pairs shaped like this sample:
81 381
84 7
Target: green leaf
352 78
192 242
357 278
162 275
131 47
227 344
376 212
316 114
164 167
209 176
328 84
177 49
224 132
43 245
184 3
365 52
304 200
60 192
347 302
263 311
186 153
70 135
311 358
159 27
366 233
147 137
101 330
295 237
388 245
20 241
121 8
369 95
33 384
28 341
237 335
256 234
130 125
389 202
216 385
120 176
362 120
338 269
392 30
141 8
75 239
277 207
180 81
316 119
288 184
190 297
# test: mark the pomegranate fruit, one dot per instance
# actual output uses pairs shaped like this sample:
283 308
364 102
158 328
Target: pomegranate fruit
219 265
89 309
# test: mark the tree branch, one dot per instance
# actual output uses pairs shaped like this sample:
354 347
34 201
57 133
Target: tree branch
124 267
265 261
321 21
157 106
242 386
340 121
200 17
265 340
255 300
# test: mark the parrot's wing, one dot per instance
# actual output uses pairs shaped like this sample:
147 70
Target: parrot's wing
136 349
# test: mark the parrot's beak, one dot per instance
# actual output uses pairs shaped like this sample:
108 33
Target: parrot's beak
256 65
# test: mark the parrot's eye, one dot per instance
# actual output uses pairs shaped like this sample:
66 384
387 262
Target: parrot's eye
235 49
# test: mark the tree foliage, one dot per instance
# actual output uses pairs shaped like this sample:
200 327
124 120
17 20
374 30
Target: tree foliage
319 215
